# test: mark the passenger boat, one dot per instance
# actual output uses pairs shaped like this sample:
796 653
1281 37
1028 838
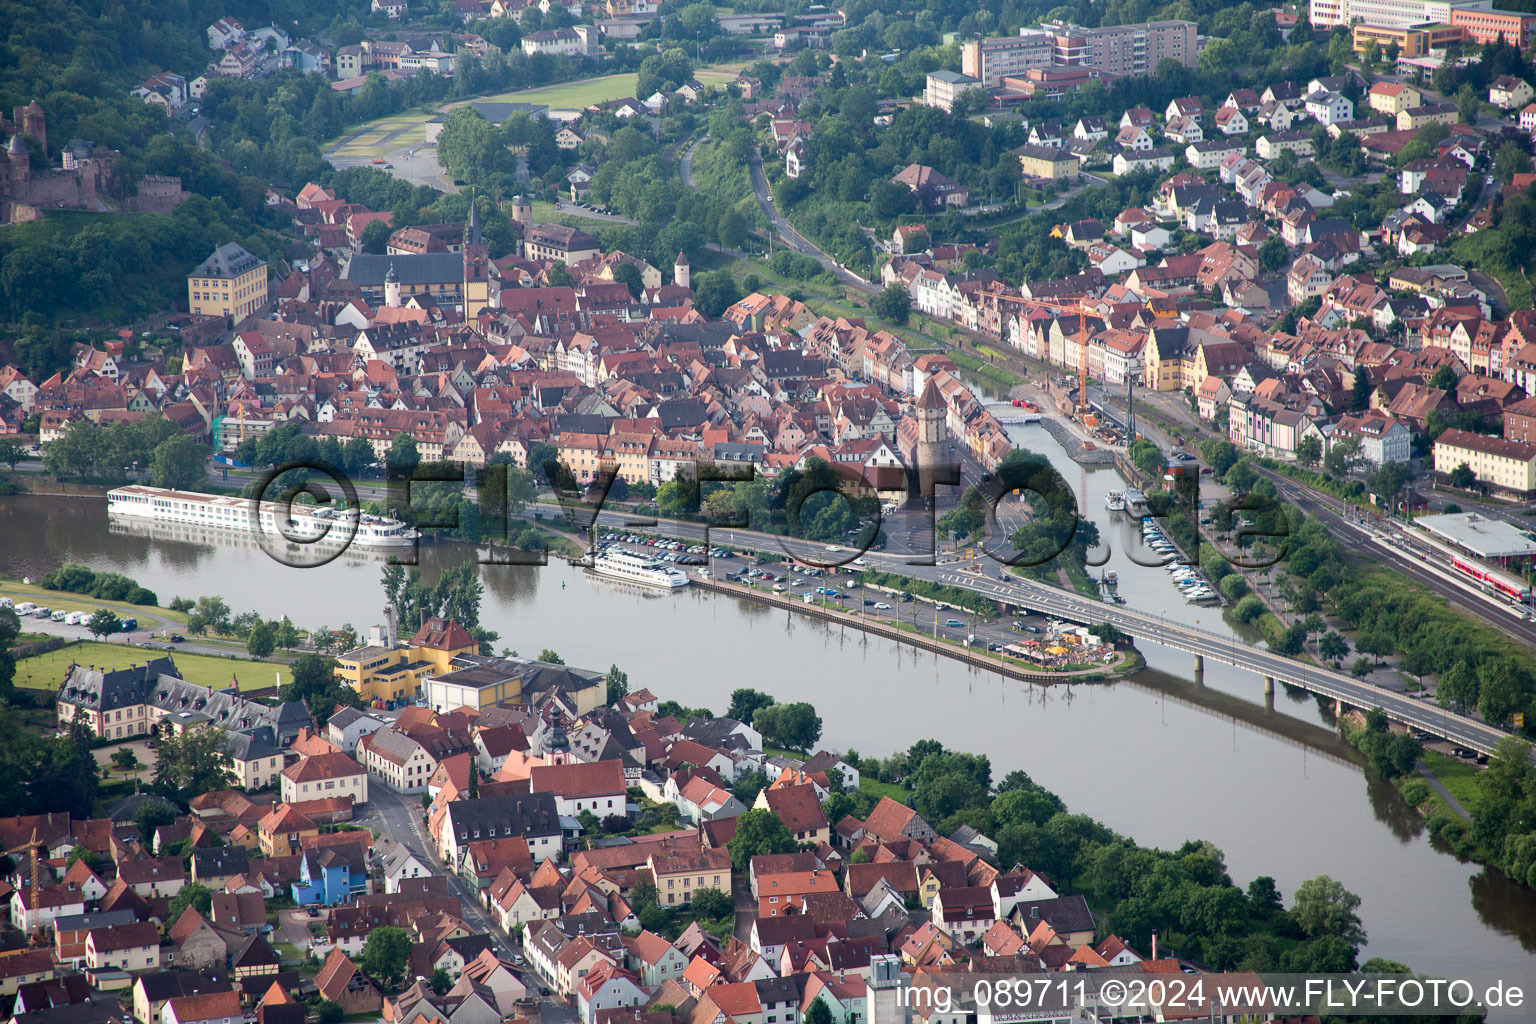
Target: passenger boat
1115 501
287 521
644 569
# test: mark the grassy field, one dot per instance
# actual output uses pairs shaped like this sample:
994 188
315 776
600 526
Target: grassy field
588 91
879 789
1456 775
57 599
47 671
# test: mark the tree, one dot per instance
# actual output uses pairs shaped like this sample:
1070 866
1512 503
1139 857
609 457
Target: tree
893 304
1360 668
1360 392
629 274
403 456
440 982
1331 647
1444 378
194 762
328 1011
796 726
385 954
209 613
1324 908
261 641
1512 159
192 894
714 292
1274 254
124 759
711 903
1343 455
758 831
618 684
819 1013
1468 103
732 230
376 237
314 682
1309 450
104 623
551 657
746 702
1463 478
12 451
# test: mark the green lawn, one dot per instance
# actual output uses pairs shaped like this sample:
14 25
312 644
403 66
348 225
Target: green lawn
1456 775
47 671
880 789
574 94
57 599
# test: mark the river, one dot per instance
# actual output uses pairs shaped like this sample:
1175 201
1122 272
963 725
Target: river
1159 757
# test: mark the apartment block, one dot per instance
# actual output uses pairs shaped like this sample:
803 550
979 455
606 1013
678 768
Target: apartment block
991 60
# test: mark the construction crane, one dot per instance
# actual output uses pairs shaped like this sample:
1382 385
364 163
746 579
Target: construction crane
1082 311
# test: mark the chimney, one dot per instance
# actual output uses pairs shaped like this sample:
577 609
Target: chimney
1154 945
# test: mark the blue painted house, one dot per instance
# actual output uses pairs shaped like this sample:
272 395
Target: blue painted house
331 876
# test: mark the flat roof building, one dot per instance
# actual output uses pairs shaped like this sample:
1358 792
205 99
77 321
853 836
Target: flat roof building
1492 540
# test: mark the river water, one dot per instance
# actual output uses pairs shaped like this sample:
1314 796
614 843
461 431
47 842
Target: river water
1160 757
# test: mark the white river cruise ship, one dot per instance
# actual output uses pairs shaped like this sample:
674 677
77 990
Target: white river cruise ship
301 524
621 565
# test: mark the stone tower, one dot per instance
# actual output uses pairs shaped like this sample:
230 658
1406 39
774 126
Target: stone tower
680 271
391 288
18 162
477 263
932 451
522 210
31 120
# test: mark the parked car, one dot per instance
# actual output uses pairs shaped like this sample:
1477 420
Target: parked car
881 606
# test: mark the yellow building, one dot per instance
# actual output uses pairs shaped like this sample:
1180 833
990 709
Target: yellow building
1502 467
1163 359
230 283
1392 98
1414 118
379 673
1415 41
1046 162
282 831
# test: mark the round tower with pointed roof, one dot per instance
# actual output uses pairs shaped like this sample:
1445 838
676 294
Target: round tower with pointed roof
680 270
932 415
18 160
391 287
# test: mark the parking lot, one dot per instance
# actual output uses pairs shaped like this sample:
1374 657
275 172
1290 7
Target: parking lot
814 584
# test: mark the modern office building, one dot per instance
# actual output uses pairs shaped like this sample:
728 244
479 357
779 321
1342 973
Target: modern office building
1390 13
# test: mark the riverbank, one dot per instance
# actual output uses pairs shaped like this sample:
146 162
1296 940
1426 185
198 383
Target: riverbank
1125 663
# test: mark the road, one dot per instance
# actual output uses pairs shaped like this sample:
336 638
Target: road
398 815
786 231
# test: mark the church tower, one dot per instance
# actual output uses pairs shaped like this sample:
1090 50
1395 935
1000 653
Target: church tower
680 271
477 263
391 288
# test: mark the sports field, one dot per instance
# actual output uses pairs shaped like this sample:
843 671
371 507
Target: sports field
47 671
588 91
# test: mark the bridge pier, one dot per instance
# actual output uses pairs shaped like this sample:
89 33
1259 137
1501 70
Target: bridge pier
1269 686
1338 715
1200 669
